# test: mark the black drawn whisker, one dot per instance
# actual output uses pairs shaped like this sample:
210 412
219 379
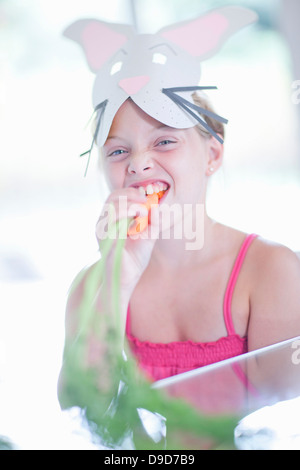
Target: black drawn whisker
188 107
100 110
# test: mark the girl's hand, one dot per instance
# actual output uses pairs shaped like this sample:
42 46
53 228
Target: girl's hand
123 206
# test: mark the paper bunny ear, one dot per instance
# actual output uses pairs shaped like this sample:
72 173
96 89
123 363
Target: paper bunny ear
99 40
159 72
205 35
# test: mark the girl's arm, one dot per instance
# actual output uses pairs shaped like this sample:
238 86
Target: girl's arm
274 317
275 296
97 306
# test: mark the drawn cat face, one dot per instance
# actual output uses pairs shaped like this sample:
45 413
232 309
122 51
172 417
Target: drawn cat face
157 71
140 70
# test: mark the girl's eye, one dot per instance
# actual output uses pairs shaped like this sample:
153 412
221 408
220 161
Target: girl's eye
166 142
116 153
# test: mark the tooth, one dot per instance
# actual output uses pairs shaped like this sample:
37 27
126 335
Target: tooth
156 188
142 190
161 186
149 189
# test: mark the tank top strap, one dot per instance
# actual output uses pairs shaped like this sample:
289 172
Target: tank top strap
232 282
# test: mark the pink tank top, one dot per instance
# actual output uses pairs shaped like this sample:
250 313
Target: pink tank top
161 360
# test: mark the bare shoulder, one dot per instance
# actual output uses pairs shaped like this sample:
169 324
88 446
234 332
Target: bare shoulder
273 259
263 256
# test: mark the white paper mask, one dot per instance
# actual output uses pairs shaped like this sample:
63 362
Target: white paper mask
158 71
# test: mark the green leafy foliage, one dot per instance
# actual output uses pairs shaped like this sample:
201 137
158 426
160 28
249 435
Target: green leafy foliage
5 444
117 403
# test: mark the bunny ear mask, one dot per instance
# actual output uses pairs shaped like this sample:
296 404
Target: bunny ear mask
159 72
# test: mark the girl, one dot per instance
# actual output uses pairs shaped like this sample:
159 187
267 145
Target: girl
183 305
182 308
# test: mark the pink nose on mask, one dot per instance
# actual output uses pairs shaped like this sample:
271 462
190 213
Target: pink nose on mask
133 84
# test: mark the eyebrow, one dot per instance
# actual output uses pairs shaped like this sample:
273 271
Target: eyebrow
168 128
160 127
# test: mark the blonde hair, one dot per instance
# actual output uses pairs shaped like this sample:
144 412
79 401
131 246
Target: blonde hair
216 126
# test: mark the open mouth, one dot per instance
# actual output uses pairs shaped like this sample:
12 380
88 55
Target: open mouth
159 187
154 192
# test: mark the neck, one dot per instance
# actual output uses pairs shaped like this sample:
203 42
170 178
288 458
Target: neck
193 247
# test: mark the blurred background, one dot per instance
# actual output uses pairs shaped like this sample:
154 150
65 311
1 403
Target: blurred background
48 210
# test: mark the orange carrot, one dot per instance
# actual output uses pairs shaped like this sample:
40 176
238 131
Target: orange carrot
140 223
